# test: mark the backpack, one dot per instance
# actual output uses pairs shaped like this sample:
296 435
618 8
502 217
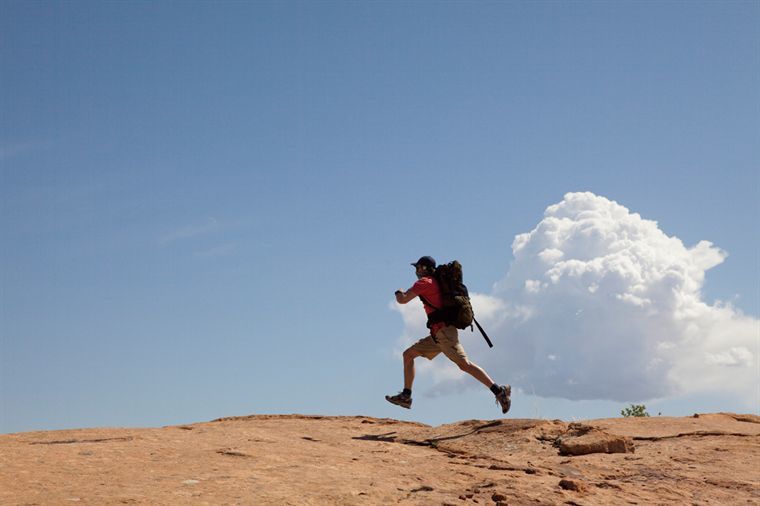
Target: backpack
457 309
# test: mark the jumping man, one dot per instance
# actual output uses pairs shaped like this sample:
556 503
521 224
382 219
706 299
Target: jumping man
443 338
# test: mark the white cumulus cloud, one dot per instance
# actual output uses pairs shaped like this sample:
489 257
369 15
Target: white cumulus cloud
599 303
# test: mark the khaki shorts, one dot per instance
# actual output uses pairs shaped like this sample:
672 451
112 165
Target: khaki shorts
447 342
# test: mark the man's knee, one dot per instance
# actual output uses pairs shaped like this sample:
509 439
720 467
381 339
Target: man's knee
410 354
464 364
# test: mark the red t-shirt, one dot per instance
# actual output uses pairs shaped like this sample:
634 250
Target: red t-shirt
429 289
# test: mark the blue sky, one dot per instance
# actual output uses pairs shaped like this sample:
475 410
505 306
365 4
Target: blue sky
206 207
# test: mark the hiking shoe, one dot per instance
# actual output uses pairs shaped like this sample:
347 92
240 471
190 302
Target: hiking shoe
405 401
503 398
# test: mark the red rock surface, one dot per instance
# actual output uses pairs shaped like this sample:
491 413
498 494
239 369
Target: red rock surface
301 460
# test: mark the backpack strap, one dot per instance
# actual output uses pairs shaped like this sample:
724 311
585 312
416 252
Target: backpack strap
425 301
485 336
437 316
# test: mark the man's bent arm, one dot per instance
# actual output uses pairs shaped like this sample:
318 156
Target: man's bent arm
404 297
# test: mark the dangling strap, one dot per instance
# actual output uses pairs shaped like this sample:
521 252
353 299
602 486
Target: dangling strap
485 336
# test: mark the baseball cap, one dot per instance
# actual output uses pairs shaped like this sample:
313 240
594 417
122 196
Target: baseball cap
425 261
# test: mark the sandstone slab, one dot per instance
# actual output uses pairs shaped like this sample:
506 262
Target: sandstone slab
325 460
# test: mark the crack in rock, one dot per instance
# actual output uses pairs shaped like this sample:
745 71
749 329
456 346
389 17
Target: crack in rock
233 453
699 433
76 441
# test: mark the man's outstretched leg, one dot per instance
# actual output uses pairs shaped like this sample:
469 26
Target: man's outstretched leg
449 339
502 392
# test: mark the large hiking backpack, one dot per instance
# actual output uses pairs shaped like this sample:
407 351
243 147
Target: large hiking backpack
457 309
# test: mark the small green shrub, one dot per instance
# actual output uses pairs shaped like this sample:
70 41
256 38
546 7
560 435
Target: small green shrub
635 410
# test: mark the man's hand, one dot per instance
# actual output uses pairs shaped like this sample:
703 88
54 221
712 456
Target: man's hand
403 297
